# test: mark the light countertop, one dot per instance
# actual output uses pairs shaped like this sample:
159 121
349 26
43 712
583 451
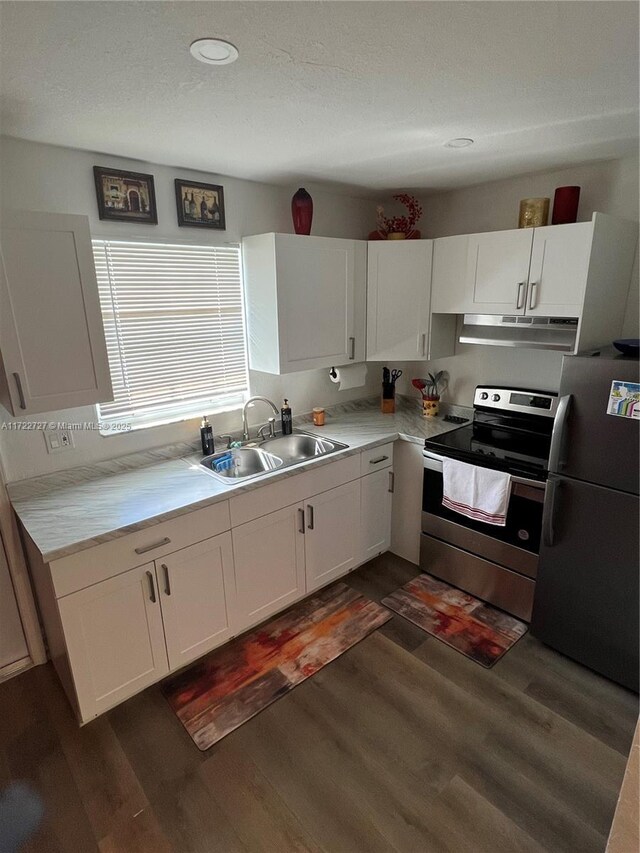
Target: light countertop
67 512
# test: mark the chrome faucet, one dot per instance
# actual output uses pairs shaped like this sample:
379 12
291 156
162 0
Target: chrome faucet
272 421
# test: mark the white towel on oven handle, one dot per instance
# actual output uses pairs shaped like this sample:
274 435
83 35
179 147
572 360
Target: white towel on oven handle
479 493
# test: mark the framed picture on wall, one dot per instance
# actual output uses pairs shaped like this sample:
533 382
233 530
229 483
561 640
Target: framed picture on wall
201 205
125 196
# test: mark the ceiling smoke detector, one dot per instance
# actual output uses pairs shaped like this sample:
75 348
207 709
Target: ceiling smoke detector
214 51
459 142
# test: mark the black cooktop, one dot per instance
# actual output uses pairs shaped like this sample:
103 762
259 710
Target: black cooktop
494 446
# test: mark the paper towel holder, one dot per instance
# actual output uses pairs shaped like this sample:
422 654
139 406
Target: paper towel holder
333 373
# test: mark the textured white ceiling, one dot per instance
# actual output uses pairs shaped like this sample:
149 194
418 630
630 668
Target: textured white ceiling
362 94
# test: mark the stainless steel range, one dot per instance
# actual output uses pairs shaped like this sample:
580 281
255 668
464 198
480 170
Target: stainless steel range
511 431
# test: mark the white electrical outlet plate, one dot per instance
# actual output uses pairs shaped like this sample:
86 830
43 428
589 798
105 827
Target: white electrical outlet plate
58 440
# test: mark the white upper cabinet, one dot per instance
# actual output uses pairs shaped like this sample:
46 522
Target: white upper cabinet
398 299
306 301
52 339
497 272
580 270
449 276
559 267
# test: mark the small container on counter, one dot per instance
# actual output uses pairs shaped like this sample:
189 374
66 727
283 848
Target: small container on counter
206 437
318 416
287 418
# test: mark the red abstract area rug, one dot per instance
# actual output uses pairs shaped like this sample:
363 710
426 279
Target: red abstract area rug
478 630
235 682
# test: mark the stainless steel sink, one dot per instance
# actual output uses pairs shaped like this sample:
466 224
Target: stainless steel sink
300 447
240 463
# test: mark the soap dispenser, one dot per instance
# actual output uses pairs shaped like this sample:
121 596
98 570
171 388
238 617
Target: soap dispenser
287 418
206 437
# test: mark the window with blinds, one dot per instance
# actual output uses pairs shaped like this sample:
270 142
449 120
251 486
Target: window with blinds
174 322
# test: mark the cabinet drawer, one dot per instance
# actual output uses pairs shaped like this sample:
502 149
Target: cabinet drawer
104 561
376 458
293 489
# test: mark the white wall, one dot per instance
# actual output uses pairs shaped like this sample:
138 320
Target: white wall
50 178
608 187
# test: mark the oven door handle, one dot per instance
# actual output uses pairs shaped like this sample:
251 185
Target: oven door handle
433 462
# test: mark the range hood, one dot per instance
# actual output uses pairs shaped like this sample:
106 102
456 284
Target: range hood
497 330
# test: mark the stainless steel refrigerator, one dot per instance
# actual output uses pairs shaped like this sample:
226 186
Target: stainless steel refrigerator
586 601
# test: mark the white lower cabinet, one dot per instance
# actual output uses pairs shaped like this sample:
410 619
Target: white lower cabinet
332 537
197 593
114 639
375 513
269 564
129 627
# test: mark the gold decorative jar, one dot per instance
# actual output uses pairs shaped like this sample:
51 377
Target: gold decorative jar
534 212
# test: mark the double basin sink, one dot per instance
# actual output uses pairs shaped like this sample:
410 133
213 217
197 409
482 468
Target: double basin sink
272 454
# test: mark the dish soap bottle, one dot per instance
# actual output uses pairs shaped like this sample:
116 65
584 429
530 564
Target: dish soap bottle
206 437
287 418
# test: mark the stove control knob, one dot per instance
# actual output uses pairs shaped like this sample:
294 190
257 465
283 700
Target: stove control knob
484 396
495 397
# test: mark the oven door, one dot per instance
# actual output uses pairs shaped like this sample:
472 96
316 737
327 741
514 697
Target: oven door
514 546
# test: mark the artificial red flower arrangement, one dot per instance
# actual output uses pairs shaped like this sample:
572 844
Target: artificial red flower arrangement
399 225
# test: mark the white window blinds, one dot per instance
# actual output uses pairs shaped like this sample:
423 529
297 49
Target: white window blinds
174 323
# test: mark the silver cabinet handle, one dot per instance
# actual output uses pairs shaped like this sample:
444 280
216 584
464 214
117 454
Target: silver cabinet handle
378 460
301 528
21 399
352 349
392 482
155 545
310 517
532 294
152 587
422 348
167 580
520 297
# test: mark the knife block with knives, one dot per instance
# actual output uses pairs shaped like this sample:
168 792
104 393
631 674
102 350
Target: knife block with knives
388 399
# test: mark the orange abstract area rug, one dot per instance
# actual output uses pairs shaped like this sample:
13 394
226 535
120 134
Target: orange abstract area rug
478 630
235 682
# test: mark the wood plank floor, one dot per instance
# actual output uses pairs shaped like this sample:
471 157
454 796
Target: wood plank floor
402 744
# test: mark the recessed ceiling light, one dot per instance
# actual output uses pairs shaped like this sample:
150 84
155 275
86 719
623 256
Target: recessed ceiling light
459 142
214 51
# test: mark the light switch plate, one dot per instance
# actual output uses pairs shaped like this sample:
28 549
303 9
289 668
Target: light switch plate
58 440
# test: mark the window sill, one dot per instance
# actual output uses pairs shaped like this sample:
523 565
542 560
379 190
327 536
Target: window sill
109 428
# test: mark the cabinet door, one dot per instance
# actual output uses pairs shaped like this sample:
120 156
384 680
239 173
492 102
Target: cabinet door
375 513
449 292
498 270
115 640
332 544
559 267
321 282
398 294
51 334
197 591
269 564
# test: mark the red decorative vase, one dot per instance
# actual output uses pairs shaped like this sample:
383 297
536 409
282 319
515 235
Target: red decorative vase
302 211
565 205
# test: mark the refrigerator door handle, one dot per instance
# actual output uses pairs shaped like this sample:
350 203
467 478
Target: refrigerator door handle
557 435
549 512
